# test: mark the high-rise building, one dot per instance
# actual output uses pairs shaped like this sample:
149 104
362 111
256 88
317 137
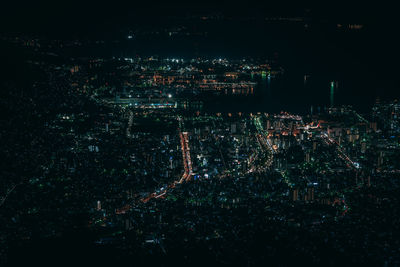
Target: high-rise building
373 126
233 128
308 157
295 194
380 159
363 147
310 194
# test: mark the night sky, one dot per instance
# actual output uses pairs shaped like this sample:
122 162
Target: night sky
58 15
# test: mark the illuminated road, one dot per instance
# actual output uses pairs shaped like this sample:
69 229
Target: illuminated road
341 153
187 162
187 165
330 141
264 142
130 122
187 174
3 200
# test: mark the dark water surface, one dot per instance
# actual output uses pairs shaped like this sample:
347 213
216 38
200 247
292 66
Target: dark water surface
362 63
354 60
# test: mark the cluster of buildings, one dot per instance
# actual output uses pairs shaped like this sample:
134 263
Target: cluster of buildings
115 148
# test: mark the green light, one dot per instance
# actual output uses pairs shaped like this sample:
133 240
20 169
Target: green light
332 93
264 74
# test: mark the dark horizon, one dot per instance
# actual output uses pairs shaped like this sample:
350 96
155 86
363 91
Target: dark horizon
67 15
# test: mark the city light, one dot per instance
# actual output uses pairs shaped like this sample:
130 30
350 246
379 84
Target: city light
199 134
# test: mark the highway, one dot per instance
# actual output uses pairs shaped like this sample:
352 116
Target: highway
3 200
186 176
341 153
264 142
187 162
187 165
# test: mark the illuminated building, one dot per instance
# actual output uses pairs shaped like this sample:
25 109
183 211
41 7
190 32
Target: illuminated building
295 194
